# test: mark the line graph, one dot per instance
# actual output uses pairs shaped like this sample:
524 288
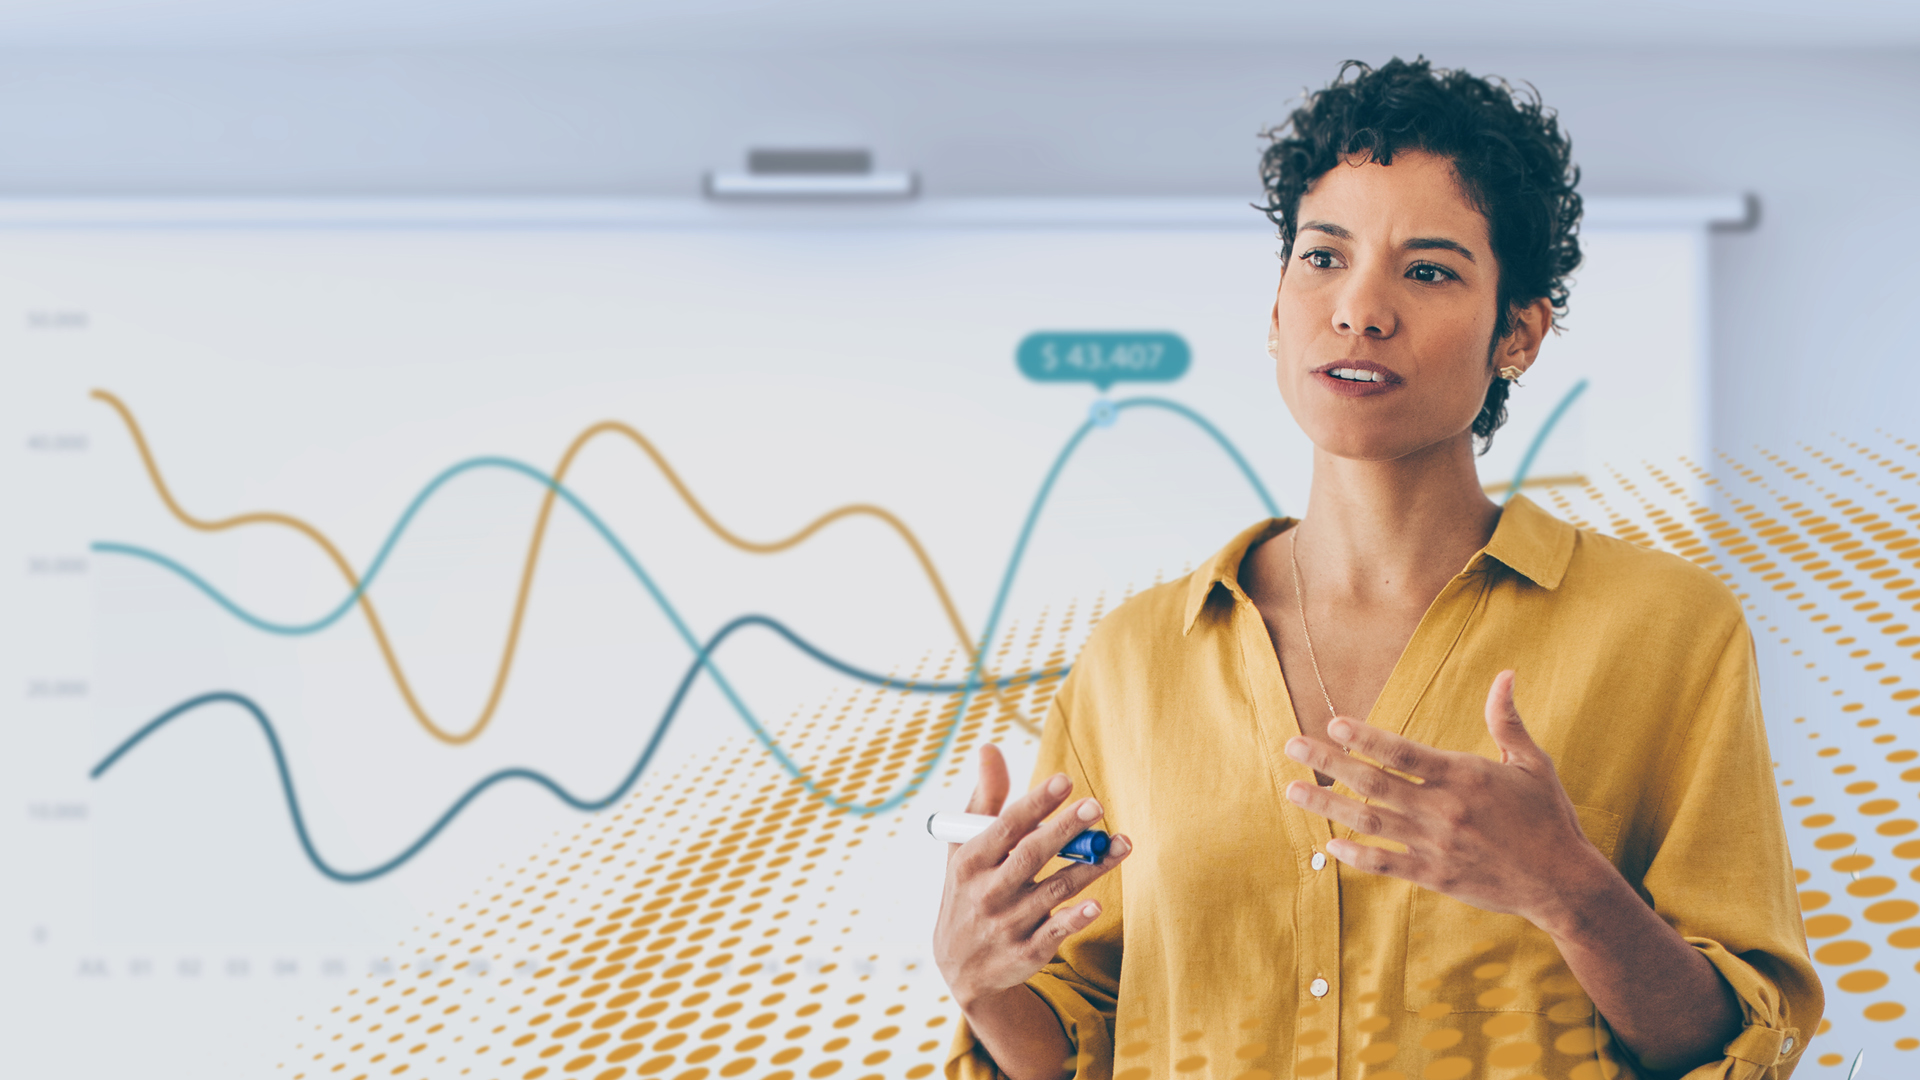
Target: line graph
1104 415
359 584
353 877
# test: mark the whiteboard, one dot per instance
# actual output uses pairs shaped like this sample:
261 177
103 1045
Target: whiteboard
329 361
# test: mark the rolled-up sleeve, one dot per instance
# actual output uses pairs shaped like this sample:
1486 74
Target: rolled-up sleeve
1722 877
1082 983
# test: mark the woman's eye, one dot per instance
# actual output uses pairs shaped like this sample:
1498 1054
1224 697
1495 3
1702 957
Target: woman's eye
1430 273
1319 260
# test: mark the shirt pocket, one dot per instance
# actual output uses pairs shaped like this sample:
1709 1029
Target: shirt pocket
1478 961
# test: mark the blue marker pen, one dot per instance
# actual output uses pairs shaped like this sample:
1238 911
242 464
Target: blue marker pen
954 827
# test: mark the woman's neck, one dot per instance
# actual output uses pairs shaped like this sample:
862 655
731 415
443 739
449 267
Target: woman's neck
1394 530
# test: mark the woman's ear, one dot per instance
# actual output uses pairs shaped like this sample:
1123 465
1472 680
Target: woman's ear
1530 325
1273 330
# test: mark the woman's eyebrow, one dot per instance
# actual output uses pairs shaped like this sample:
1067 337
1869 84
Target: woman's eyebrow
1327 227
1436 243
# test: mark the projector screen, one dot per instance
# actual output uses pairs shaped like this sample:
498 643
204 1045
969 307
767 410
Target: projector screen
330 702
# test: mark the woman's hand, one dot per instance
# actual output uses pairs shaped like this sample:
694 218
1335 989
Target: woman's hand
997 927
1502 836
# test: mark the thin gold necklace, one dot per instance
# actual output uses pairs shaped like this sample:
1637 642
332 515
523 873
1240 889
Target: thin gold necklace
1300 599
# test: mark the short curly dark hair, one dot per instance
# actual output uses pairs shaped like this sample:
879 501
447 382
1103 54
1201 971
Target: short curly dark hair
1506 148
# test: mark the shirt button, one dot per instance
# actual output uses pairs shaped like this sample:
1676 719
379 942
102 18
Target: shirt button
1319 860
1786 1048
1318 988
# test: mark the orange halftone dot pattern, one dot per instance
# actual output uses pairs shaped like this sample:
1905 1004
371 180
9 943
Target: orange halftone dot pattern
689 933
696 956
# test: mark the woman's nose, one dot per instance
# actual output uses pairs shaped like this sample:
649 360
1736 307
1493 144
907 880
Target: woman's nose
1365 310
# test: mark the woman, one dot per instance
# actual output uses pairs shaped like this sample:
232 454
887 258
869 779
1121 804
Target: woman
1417 785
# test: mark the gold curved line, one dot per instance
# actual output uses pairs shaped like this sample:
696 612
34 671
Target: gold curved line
512 644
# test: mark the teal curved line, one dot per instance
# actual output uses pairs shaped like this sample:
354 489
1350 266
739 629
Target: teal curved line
972 682
1540 439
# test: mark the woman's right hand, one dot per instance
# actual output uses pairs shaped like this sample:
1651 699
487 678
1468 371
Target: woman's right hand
997 926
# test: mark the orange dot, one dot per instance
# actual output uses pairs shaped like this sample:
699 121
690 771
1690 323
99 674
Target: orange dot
1801 876
1506 1024
1447 1068
1313 1066
1896 827
1907 1044
1253 1074
825 1068
1871 886
1861 787
1489 971
1817 821
917 1072
1570 1012
1498 996
1435 1011
1847 864
1811 899
1864 981
1843 952
1375 1053
1373 1024
1191 1064
1440 1040
1885 1010
1819 926
1831 1059
1888 911
1138 1072
1138 1046
1514 1055
1250 1051
1579 1041
1834 841
1874 807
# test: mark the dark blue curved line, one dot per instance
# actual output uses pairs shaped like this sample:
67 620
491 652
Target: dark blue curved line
972 682
350 877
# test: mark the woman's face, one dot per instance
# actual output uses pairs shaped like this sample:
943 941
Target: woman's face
1386 309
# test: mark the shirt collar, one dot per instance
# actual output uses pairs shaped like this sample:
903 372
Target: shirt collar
1224 567
1531 542
1528 540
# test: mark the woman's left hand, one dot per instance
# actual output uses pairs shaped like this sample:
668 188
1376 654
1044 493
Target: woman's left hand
1502 836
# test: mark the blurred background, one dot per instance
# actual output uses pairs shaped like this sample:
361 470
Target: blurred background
1811 107
375 266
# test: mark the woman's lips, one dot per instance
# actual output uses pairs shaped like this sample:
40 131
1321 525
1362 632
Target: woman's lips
1356 378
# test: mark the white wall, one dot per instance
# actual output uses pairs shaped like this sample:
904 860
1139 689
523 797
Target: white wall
1825 138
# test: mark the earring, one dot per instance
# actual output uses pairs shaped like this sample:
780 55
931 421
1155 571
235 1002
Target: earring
1511 374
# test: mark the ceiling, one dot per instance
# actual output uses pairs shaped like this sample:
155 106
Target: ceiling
783 24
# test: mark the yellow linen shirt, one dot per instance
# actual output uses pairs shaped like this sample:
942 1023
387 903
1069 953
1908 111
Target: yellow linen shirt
1230 946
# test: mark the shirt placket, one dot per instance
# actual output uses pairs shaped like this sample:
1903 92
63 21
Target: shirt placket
1316 910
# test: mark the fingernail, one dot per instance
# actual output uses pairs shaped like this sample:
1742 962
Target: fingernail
1090 910
1340 729
1089 811
1296 792
1121 845
1059 785
1297 749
